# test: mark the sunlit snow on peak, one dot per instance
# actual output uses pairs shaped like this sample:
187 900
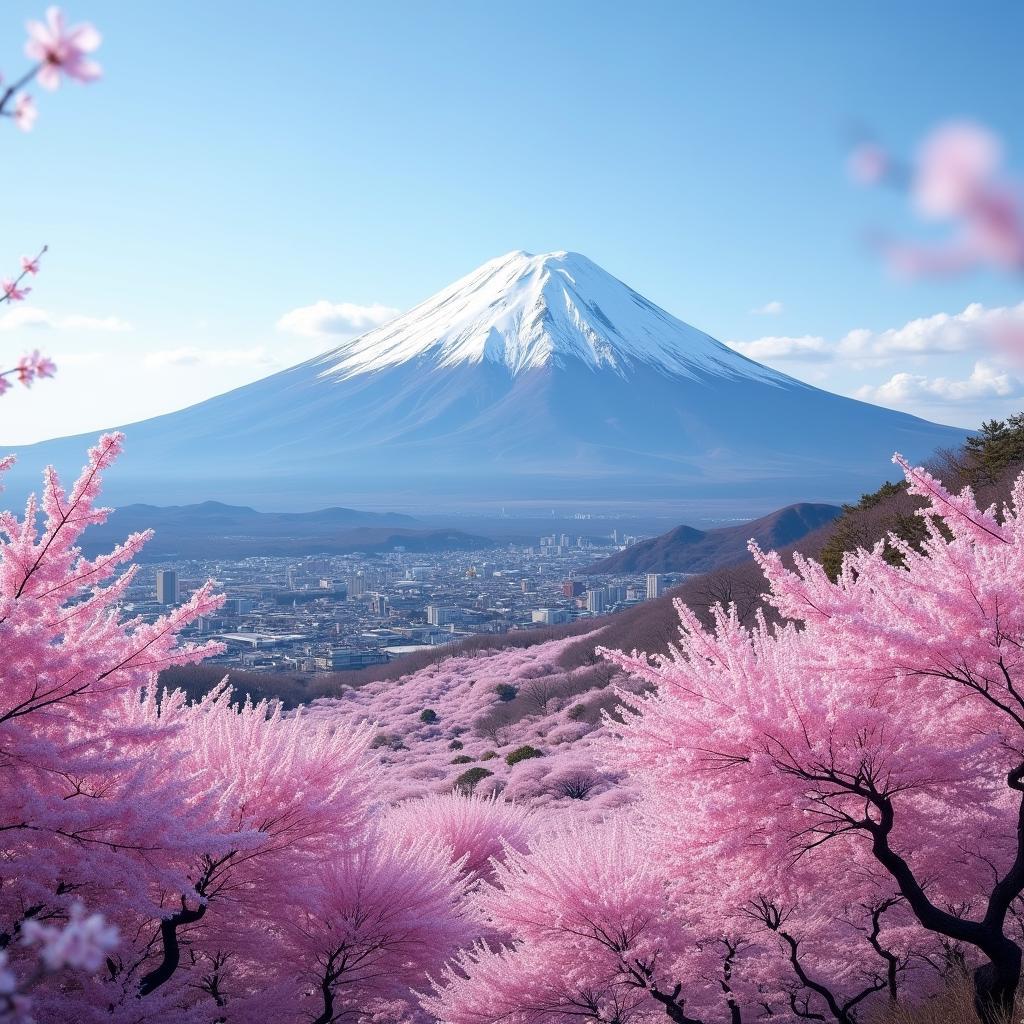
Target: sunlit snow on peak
526 312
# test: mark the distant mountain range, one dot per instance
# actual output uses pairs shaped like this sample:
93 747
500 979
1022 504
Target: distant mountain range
685 549
215 530
534 378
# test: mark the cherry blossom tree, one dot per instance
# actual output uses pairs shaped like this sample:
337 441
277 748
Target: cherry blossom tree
477 831
87 811
232 857
372 924
591 934
870 748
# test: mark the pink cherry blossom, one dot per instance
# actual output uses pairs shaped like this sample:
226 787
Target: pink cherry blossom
45 366
30 265
83 943
956 178
954 164
27 368
60 49
867 751
12 292
25 112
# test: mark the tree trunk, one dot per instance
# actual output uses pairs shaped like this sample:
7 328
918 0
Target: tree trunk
995 985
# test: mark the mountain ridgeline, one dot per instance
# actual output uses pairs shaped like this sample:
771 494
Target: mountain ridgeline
211 529
686 549
537 378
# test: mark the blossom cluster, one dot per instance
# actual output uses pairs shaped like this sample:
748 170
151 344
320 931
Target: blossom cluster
957 178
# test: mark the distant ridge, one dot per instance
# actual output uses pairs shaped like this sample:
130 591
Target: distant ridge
212 529
685 549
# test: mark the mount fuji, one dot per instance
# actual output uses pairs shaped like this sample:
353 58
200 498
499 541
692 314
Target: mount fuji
537 378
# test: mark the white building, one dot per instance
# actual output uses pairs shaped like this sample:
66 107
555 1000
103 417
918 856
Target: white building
438 615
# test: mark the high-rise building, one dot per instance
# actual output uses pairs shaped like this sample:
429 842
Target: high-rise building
166 586
380 606
655 585
616 594
356 585
596 600
572 588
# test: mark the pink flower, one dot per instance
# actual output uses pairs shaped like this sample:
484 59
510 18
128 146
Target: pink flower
29 265
954 166
82 943
27 369
45 366
34 365
11 290
58 48
5 385
25 112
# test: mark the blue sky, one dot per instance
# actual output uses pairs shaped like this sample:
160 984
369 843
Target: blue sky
242 160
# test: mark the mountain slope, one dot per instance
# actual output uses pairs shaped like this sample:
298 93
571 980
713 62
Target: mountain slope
685 549
536 378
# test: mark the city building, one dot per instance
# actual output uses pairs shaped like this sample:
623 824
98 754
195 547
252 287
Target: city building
655 585
166 586
596 600
550 616
572 588
345 659
437 615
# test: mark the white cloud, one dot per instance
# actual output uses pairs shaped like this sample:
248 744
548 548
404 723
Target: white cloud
985 382
808 348
17 317
226 357
973 330
976 329
325 317
773 308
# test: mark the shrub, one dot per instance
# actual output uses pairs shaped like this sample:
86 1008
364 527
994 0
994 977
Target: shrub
578 712
523 753
506 692
456 745
468 779
462 759
488 755
428 716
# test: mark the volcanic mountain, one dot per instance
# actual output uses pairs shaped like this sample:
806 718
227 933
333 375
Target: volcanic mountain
534 377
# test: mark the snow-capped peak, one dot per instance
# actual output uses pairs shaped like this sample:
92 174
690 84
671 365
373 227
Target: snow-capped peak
526 312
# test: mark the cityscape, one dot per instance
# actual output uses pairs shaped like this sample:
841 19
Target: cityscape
332 613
